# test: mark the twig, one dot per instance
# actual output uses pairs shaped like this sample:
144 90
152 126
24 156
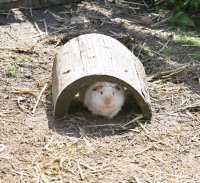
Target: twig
37 170
19 173
4 12
81 130
159 159
8 56
148 181
198 155
31 12
25 91
136 179
159 2
58 18
80 170
140 152
162 21
21 107
142 126
87 166
164 46
133 120
188 107
154 140
68 27
191 115
16 49
146 4
43 177
139 4
166 74
40 32
43 89
45 25
9 13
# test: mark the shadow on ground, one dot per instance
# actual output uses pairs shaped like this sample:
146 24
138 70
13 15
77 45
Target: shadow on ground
81 122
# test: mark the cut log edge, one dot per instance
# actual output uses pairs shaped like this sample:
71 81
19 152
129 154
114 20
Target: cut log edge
64 99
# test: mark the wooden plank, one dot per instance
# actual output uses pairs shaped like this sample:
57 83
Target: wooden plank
9 4
96 57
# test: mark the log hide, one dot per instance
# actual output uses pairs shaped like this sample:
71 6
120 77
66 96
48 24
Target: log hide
95 57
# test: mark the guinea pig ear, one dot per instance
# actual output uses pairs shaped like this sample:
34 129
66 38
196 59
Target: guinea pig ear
118 87
98 87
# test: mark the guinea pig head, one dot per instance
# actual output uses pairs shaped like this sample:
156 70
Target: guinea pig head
108 95
104 98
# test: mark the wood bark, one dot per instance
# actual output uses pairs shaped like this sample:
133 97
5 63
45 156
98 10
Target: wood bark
96 57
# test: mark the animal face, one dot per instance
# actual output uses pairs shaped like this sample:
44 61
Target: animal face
107 94
104 98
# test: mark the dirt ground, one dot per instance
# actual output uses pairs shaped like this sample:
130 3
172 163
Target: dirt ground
85 148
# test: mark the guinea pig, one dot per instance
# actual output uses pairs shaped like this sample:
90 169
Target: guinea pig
104 98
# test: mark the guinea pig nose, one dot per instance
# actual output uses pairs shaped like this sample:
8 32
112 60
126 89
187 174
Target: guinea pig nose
107 100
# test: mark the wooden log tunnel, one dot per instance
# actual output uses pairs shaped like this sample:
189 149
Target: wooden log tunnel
96 57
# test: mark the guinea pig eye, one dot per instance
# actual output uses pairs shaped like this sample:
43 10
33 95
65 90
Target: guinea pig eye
113 93
97 87
117 87
101 93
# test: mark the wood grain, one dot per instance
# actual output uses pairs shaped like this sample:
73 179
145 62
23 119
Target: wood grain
96 57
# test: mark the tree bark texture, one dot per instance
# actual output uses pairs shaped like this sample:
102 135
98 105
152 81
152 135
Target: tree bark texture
95 57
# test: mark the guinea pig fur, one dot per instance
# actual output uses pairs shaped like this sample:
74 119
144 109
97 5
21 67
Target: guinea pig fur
104 98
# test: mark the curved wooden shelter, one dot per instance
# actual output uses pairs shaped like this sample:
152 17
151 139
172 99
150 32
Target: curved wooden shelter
96 57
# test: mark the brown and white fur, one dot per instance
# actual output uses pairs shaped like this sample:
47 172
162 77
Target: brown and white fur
104 98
